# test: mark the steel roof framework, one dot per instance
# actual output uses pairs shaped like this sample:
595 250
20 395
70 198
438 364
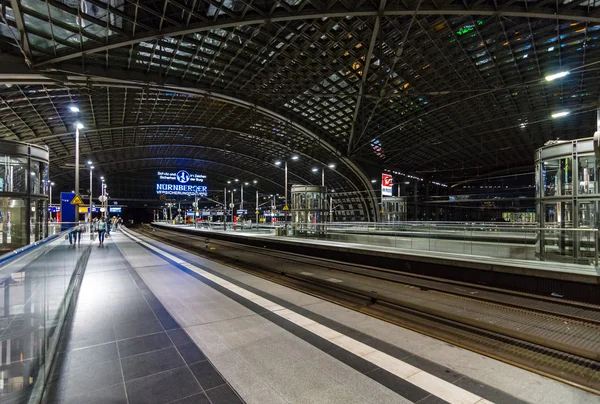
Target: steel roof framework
441 89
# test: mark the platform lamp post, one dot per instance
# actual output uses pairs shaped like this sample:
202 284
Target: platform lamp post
278 163
316 170
256 210
91 199
78 126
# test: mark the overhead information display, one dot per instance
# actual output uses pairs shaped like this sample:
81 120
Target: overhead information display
181 183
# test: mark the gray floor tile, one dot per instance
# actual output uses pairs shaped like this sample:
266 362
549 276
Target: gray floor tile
207 375
89 378
131 330
89 356
483 390
179 337
195 399
398 385
432 400
114 394
191 353
147 343
100 336
163 387
223 395
150 362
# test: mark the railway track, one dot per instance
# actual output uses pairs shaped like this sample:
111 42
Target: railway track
555 338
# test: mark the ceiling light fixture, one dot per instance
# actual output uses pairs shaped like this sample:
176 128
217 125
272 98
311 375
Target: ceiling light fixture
555 76
560 114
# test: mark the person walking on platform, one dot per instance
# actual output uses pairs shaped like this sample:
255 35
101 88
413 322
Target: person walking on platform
75 236
106 221
101 230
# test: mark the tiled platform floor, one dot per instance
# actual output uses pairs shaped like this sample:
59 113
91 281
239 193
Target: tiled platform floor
124 347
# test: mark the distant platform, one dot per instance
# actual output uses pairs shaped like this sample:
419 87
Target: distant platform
573 281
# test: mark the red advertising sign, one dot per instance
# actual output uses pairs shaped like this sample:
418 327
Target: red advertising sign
386 184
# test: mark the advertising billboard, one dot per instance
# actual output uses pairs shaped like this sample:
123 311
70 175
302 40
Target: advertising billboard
181 183
386 184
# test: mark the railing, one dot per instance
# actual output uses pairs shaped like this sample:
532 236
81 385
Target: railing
38 282
524 241
499 240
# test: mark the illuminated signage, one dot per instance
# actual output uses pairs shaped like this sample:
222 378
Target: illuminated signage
181 176
175 189
386 184
181 183
114 209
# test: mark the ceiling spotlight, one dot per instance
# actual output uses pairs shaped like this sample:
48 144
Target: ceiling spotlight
52 183
73 108
236 180
315 169
278 163
229 182
373 181
91 167
294 157
560 114
246 183
79 125
254 182
556 76
90 162
102 178
332 166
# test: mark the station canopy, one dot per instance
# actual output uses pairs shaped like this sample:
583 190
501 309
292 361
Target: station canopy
439 90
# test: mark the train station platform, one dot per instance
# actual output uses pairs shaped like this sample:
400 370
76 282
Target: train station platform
572 281
155 324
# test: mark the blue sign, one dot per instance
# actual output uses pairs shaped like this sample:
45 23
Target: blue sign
114 209
181 183
53 209
242 211
68 212
183 176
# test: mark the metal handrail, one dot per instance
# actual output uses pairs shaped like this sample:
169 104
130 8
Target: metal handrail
9 256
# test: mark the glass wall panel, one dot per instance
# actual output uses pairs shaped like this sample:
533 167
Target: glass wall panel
18 174
587 176
34 177
13 228
550 177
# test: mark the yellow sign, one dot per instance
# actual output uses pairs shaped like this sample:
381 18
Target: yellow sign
77 200
286 207
84 209
257 212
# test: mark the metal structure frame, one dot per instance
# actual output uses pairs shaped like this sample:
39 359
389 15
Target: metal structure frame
442 89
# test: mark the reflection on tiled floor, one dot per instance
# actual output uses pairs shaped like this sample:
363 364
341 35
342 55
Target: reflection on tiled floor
124 347
31 293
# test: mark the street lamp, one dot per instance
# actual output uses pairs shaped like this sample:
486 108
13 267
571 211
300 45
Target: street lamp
91 192
78 125
316 170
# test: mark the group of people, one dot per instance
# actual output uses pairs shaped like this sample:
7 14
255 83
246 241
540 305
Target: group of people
103 226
